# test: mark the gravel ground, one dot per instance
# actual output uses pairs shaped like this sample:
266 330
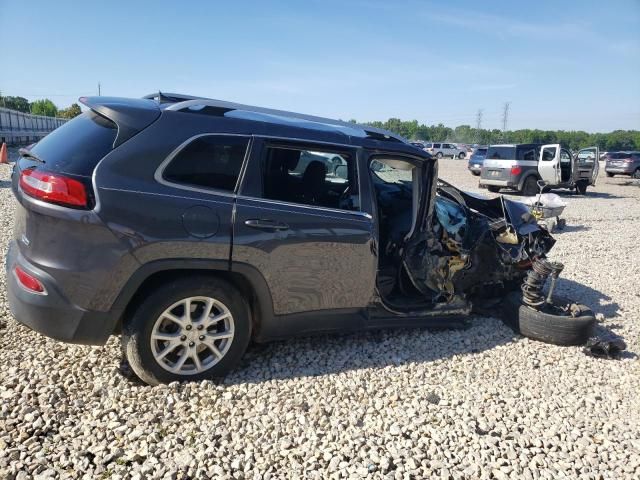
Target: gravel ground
476 403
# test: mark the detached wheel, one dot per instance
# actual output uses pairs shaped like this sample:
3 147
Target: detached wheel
530 187
549 326
190 329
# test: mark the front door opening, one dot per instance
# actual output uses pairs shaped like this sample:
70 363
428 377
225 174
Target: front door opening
397 192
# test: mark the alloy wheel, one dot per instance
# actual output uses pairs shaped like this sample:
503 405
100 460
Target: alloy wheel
192 335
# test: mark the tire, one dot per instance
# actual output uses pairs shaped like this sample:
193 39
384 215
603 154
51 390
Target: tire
439 155
581 187
461 155
609 174
493 188
547 327
475 174
530 186
636 174
150 318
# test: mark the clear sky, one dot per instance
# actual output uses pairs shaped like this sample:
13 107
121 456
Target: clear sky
562 64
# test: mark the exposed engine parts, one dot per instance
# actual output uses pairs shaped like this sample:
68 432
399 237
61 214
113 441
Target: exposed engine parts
533 285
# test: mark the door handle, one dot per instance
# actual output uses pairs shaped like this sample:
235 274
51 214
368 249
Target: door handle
266 224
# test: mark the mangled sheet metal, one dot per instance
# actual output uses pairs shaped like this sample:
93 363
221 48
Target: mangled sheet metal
468 245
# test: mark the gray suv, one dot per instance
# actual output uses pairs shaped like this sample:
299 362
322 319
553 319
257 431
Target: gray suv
190 226
622 163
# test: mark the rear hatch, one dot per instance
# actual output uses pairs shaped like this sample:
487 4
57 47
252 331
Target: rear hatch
497 162
618 160
57 226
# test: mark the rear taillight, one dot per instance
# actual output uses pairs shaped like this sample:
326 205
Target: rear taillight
29 282
515 170
54 188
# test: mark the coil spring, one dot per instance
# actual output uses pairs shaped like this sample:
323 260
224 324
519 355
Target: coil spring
533 285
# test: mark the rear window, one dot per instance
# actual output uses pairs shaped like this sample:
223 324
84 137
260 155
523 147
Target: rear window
480 151
77 146
211 162
501 153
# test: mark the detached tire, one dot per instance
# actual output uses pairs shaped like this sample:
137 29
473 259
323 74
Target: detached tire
189 329
581 187
546 327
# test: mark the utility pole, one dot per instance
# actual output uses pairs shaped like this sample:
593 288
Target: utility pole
99 89
478 124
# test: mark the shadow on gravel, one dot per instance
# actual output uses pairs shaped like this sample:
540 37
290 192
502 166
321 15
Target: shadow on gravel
596 300
5 184
328 354
571 228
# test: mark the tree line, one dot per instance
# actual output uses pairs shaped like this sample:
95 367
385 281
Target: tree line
612 141
39 107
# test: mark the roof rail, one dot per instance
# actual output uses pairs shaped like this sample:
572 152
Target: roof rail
163 97
181 103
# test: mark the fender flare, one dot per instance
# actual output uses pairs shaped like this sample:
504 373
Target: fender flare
527 175
259 296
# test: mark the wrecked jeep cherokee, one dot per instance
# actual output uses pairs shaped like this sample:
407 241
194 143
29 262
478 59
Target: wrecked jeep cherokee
191 226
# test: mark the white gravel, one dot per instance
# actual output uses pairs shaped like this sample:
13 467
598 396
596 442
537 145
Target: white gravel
477 403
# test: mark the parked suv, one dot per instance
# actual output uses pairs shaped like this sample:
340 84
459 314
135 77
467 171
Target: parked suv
190 226
440 150
476 160
622 163
522 166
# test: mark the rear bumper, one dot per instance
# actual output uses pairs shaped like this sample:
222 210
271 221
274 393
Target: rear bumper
620 170
52 314
499 183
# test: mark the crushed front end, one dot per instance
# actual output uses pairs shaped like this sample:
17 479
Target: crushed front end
470 248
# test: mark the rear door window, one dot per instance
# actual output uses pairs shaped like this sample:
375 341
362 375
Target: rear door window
501 153
77 146
210 162
310 177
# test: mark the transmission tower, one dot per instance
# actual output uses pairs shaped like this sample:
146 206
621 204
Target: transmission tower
478 125
505 117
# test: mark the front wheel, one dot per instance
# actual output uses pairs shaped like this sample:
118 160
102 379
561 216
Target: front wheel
461 155
581 187
561 323
189 329
439 155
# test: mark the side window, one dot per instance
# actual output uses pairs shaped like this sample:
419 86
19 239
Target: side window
211 161
436 145
526 154
548 154
565 157
310 177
